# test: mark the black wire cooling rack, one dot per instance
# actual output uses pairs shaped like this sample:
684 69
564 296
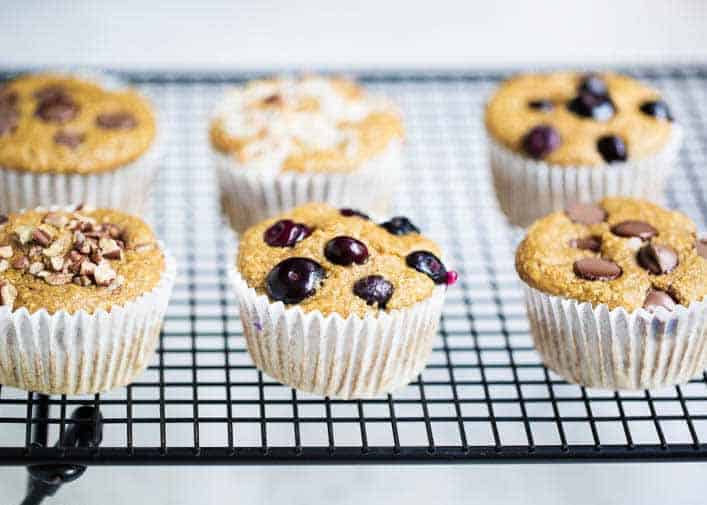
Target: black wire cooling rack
484 397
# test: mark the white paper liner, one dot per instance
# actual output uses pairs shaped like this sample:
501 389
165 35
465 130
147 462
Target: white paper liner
344 358
249 195
125 188
615 349
529 189
83 353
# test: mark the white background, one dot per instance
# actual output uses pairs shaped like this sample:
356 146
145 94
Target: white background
362 34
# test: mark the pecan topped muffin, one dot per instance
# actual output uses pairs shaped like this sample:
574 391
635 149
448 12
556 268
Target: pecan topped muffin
571 119
81 260
65 124
310 124
620 252
339 261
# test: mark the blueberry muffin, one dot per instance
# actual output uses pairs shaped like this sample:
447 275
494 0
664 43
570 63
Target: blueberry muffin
65 139
82 296
616 293
282 142
564 137
336 304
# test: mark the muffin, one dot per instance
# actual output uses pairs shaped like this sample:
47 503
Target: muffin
567 137
615 294
283 142
82 298
66 139
335 304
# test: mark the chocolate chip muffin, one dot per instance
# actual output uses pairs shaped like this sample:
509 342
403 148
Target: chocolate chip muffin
326 294
282 142
88 286
66 139
563 137
616 293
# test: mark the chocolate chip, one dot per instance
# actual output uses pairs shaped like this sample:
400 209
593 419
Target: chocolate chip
8 99
596 269
702 247
116 121
9 120
49 92
593 84
541 141
69 139
541 105
633 228
657 298
4 219
59 108
612 148
585 213
657 259
658 109
587 243
346 212
589 105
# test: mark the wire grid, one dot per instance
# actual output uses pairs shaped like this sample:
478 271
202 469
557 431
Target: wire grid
484 395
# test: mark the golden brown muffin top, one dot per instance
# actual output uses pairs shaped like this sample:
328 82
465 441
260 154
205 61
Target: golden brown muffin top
623 252
63 124
311 124
82 260
574 119
338 261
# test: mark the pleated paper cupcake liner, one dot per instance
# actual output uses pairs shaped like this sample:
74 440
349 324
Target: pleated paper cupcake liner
344 358
529 189
82 353
248 195
126 188
615 349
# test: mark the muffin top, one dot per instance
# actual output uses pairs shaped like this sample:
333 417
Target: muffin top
339 261
312 124
80 260
574 119
623 252
64 124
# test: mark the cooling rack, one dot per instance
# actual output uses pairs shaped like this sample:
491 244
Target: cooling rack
484 397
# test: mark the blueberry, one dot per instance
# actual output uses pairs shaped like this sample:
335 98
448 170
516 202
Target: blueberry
428 264
400 225
541 141
286 233
374 289
353 212
345 251
597 107
294 279
594 85
658 109
541 105
612 148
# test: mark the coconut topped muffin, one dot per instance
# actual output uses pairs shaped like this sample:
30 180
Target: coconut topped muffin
64 124
338 261
573 119
81 260
311 124
622 252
